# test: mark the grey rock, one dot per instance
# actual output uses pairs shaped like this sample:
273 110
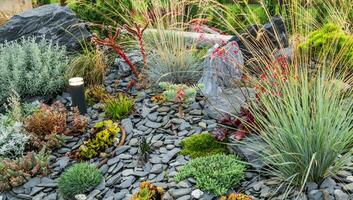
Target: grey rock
340 195
167 157
197 194
32 183
315 195
156 169
311 186
50 21
348 187
186 197
128 182
112 180
176 193
167 196
127 124
51 196
80 197
220 71
184 126
121 149
113 160
154 125
328 184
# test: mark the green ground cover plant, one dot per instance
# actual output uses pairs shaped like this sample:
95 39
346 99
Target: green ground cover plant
215 174
119 107
31 68
202 145
104 135
330 42
15 172
79 179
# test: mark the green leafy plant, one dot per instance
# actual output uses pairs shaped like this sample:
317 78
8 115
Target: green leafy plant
330 42
96 94
216 173
91 65
104 135
148 192
202 145
118 107
179 93
31 68
79 179
16 172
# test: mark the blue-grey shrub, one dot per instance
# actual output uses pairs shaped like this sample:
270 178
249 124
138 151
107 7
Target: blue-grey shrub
31 68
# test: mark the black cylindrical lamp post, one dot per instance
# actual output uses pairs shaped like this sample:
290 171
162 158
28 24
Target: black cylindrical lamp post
76 90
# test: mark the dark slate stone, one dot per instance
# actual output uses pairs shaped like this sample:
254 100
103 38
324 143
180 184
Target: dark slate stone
50 21
268 31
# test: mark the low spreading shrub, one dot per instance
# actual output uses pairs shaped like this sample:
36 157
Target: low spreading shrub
79 179
46 125
118 107
16 172
104 135
216 173
31 68
148 192
96 94
91 65
13 140
202 145
330 42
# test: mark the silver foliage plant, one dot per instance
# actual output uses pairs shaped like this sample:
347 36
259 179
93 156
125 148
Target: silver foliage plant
31 67
12 140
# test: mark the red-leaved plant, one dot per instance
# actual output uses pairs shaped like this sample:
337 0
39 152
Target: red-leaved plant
234 126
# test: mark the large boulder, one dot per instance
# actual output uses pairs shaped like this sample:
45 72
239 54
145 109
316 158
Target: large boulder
269 37
51 21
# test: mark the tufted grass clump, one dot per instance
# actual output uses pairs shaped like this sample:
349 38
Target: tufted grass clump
79 179
31 67
202 145
215 174
118 107
91 65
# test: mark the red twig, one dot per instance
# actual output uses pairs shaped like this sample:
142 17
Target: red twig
138 32
111 42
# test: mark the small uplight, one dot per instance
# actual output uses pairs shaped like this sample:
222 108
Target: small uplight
76 81
76 90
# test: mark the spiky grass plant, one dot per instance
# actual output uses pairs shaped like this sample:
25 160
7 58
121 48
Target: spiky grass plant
119 107
79 179
303 111
91 65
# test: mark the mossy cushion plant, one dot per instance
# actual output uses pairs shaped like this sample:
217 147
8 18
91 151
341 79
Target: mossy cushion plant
330 41
215 174
79 179
202 145
104 135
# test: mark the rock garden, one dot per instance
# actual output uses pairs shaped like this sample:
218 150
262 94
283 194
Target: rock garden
176 100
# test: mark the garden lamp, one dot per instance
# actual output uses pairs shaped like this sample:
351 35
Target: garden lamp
76 90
